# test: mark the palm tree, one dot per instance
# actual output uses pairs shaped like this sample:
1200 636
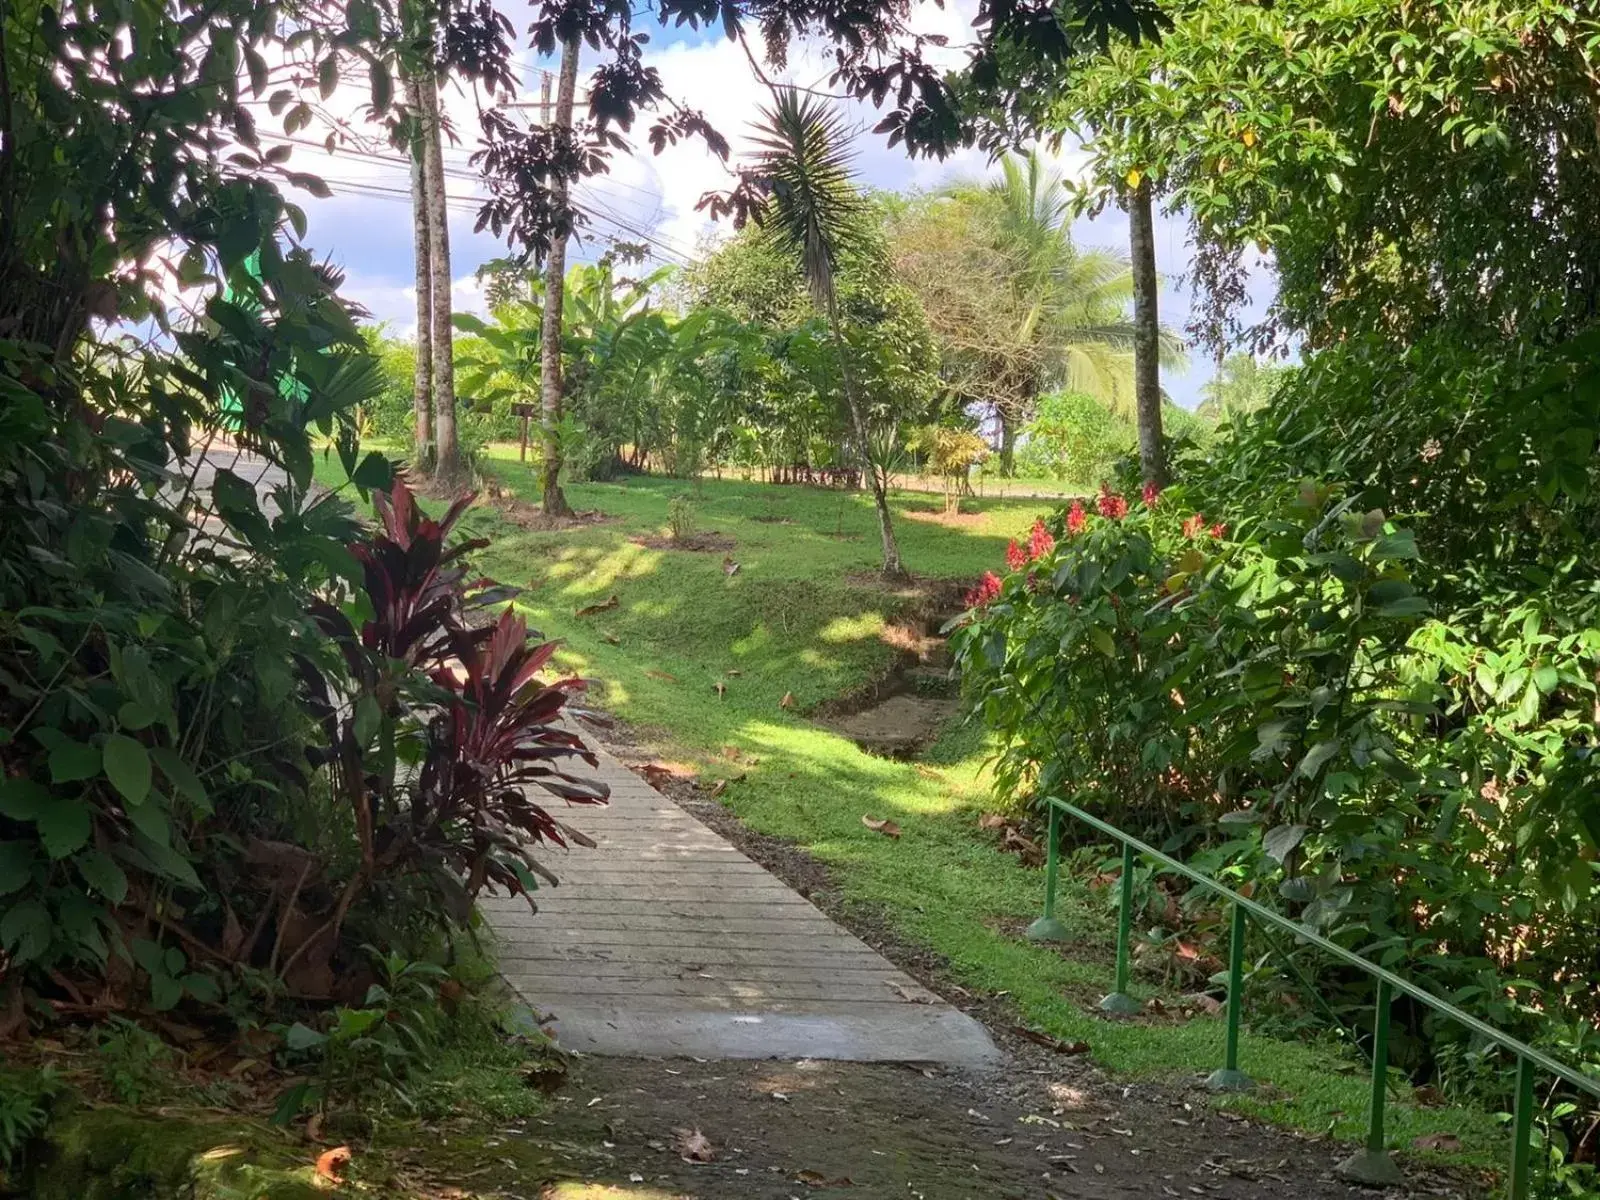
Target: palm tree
814 213
1020 308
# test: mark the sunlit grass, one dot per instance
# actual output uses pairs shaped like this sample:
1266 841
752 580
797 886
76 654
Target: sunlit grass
803 618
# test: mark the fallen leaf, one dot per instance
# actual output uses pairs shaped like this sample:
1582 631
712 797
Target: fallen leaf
816 1179
718 788
729 567
1203 1003
991 821
1428 1096
314 1128
1049 1042
331 1162
722 689
611 639
694 1146
881 825
662 675
1449 1143
589 610
733 672
787 701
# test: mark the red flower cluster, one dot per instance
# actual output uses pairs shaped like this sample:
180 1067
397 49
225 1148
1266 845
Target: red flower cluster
1193 526
1016 556
1151 494
1040 542
1076 518
987 590
1110 504
1219 530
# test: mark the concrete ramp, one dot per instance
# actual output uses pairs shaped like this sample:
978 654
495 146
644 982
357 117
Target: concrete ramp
666 941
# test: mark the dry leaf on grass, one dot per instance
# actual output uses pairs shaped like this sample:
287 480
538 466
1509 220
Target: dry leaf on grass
787 701
718 788
693 1146
881 825
816 1179
991 821
722 689
589 610
330 1163
611 639
661 675
1449 1143
1049 1042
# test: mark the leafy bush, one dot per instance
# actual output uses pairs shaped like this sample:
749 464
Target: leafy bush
680 518
1074 438
1385 723
25 1099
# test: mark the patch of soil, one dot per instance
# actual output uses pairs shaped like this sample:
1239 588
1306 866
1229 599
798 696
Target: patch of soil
772 519
1047 1125
897 726
711 542
1051 1126
532 516
938 516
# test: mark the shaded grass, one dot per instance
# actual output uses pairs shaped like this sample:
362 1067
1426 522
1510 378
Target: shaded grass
791 623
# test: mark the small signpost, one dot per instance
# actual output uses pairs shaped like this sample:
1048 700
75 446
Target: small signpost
526 412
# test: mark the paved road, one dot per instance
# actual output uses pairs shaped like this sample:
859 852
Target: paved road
666 940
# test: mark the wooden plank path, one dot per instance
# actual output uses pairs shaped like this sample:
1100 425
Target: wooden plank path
667 941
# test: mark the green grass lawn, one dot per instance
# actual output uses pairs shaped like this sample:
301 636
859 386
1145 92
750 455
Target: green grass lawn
802 617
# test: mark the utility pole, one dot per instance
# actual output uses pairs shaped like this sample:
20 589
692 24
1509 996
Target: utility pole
555 501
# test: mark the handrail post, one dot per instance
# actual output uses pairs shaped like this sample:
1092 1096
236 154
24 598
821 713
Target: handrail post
1521 1182
1119 1003
1047 928
1230 1078
1373 1166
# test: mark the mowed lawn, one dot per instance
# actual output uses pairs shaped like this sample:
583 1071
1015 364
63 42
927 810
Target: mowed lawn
802 618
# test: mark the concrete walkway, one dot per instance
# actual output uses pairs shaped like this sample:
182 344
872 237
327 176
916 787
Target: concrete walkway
667 941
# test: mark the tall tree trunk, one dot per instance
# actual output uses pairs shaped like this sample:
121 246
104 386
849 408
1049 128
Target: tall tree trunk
555 500
892 566
421 242
1008 439
448 467
1146 335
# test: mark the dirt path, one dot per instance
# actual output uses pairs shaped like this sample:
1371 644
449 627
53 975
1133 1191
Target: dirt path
1047 1126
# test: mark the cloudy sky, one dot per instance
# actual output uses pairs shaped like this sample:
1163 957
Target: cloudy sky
365 226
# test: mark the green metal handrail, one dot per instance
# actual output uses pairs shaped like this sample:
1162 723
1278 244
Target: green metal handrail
1371 1165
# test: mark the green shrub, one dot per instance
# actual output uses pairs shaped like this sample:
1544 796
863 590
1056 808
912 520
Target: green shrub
680 518
1384 722
1074 438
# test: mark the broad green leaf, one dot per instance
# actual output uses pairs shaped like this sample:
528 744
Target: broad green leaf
1316 756
368 716
302 1037
101 873
127 765
64 826
25 930
71 761
181 776
22 799
165 992
1280 841
16 866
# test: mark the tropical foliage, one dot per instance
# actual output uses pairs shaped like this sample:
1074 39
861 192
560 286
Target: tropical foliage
1018 308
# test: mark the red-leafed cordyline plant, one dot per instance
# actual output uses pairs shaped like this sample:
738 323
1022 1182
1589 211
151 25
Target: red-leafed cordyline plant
442 727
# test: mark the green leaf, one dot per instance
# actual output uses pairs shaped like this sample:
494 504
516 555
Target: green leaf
302 1037
1280 842
64 827
26 930
165 992
22 799
16 866
328 75
382 87
71 761
202 987
374 471
368 717
1103 642
1400 544
101 873
128 767
181 776
134 716
167 860
1316 756
151 820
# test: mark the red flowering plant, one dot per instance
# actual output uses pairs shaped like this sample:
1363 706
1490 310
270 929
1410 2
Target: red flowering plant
1238 689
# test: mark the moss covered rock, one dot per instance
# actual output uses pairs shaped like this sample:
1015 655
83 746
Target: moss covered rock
117 1154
